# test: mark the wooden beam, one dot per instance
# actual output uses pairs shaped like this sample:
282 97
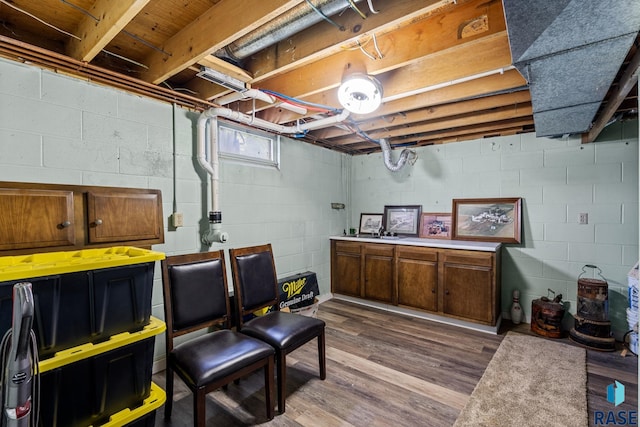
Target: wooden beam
113 17
475 58
509 80
503 113
628 80
450 135
413 46
220 25
323 40
432 113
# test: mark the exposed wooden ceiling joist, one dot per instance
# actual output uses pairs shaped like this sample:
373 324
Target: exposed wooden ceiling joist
100 25
217 27
445 65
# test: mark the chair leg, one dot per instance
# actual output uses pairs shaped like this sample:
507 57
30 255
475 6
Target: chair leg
199 406
321 356
168 405
268 387
281 367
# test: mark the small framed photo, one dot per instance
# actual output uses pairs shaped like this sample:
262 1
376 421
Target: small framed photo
402 220
435 225
370 223
489 220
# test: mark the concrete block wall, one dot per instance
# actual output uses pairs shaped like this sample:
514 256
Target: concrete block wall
59 129
557 179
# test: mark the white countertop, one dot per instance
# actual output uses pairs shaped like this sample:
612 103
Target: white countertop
430 243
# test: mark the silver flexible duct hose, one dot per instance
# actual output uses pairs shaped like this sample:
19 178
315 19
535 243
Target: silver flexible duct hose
405 155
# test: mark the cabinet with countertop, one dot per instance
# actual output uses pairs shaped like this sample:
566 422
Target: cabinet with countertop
453 279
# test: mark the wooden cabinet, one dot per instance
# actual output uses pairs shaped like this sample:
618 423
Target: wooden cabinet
417 277
378 272
50 217
345 269
468 285
36 218
108 224
458 283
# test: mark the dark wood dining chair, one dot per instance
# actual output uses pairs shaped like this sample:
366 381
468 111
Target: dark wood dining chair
196 297
255 286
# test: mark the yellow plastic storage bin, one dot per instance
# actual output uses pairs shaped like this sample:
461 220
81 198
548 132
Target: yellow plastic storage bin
81 296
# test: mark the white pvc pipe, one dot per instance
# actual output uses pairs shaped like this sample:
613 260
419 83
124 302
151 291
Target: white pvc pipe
212 165
260 96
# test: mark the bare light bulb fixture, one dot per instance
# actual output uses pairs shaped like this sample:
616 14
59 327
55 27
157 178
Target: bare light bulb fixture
360 93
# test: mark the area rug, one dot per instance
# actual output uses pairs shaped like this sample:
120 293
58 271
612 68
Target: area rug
530 381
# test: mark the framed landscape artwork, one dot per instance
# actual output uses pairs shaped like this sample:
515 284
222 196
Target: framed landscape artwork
435 225
488 220
370 223
402 220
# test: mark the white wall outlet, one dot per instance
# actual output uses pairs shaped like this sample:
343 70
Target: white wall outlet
177 219
583 218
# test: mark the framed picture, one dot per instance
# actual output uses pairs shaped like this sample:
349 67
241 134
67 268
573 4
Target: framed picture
402 220
370 222
489 220
435 225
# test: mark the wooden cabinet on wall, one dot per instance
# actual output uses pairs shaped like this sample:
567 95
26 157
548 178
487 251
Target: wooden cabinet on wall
50 217
463 284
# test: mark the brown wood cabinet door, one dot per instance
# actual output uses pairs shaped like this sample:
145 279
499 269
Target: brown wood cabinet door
468 292
124 216
378 274
36 218
345 272
418 284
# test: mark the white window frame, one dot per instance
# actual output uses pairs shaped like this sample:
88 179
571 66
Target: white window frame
248 132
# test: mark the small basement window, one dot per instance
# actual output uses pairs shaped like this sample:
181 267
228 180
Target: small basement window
248 145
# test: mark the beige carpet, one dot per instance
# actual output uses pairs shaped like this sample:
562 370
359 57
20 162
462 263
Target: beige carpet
530 381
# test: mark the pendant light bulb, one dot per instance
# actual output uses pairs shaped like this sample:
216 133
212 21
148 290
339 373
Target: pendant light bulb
360 93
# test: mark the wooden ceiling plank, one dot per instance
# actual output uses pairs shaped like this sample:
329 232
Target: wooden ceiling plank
113 17
433 112
481 129
477 57
322 40
503 113
217 27
222 66
509 80
474 58
414 45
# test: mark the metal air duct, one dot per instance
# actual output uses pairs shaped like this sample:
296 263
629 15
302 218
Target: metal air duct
570 52
291 22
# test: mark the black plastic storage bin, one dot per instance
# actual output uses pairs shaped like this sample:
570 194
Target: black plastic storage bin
107 378
87 305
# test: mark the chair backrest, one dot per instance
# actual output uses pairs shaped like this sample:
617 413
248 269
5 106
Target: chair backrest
195 293
255 283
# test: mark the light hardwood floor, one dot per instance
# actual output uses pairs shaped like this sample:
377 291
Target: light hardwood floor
384 369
